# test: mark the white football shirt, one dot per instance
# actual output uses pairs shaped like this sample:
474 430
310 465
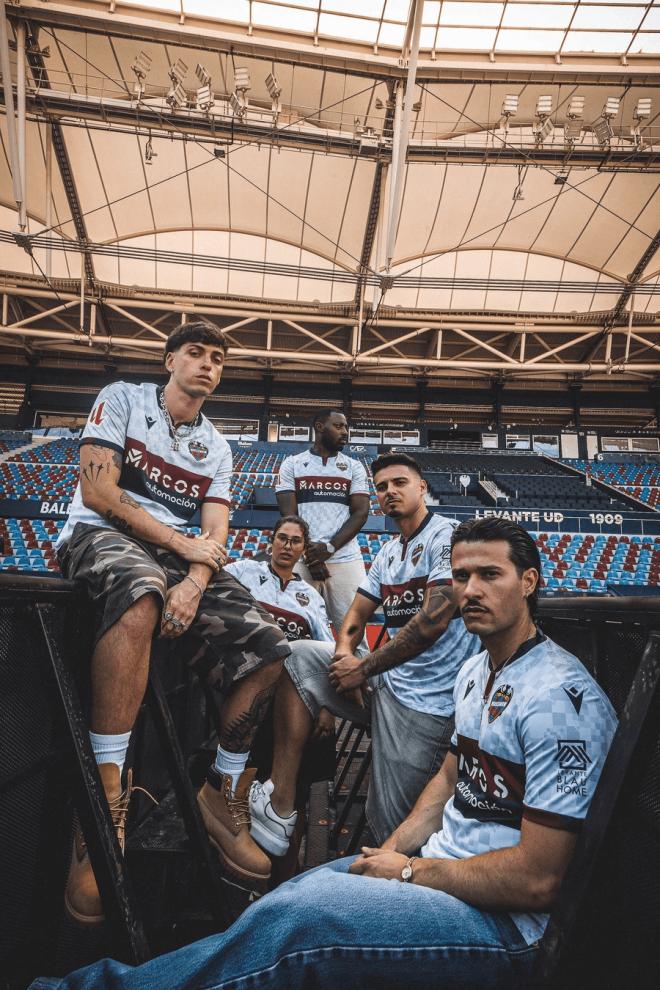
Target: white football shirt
170 484
297 608
323 487
532 748
398 579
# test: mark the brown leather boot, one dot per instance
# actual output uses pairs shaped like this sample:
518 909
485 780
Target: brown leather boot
227 821
82 898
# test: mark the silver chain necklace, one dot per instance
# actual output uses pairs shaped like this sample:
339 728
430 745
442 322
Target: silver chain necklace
177 433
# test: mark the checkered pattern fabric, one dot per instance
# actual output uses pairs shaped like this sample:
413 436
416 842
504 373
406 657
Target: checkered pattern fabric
532 747
170 484
297 608
323 487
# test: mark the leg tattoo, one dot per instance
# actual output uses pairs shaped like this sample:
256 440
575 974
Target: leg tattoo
237 735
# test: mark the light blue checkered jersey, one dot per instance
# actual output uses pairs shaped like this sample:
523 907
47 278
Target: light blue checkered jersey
532 747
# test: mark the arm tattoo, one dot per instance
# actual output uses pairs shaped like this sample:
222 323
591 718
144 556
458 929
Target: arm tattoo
119 522
101 460
128 500
417 635
237 735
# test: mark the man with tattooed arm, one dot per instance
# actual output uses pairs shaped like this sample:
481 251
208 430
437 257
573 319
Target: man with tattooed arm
149 460
404 688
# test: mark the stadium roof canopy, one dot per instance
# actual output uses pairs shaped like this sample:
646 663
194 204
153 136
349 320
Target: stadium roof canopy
448 187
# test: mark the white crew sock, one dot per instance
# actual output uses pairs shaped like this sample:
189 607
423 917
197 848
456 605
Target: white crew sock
110 749
231 764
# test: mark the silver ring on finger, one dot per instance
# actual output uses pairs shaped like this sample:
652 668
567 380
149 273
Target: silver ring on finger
168 616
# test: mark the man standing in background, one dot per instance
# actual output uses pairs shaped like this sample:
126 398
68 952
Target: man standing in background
330 492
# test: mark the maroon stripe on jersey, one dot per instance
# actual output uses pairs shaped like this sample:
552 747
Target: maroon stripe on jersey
513 774
293 625
221 501
489 788
137 455
552 820
145 473
402 601
320 488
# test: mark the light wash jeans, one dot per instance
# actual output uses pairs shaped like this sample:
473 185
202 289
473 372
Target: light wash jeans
328 929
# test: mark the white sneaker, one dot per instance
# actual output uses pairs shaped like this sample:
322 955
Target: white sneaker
266 827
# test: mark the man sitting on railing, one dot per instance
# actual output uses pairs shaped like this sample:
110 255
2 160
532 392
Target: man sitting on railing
458 895
149 460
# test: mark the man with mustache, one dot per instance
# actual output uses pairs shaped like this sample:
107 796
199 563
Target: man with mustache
403 689
459 894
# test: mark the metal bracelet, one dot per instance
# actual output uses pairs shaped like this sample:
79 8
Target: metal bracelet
199 588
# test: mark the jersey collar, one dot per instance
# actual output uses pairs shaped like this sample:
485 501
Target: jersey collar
404 542
524 648
283 584
324 460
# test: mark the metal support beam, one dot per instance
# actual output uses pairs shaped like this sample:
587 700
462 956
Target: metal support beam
319 340
20 106
195 34
398 169
12 136
136 319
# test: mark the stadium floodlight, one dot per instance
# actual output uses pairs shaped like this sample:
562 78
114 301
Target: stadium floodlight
510 106
204 99
202 75
273 87
543 129
603 131
611 107
176 97
572 132
177 71
576 107
238 105
141 66
241 79
543 107
642 110
274 90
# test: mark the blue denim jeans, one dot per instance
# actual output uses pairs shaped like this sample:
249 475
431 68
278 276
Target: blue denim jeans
329 929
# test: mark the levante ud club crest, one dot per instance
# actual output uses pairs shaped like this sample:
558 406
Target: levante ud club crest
499 701
198 450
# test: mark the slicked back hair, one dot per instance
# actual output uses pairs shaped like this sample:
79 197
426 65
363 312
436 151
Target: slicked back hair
523 551
196 332
388 460
298 520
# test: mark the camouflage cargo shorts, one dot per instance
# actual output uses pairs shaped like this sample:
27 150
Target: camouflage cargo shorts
231 635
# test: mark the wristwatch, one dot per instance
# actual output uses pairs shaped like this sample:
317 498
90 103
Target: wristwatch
330 548
407 871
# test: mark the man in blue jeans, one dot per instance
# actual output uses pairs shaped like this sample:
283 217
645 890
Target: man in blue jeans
458 896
